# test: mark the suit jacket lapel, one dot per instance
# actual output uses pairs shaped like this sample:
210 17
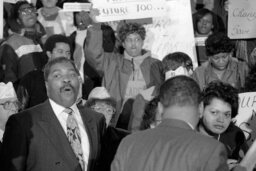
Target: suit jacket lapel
53 129
91 131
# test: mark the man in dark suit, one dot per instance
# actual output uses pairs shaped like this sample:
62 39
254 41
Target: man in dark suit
55 135
174 145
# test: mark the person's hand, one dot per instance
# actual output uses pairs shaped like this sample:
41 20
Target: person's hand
94 13
85 18
232 163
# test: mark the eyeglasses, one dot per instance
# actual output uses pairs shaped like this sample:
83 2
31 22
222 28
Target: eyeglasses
8 105
103 109
27 11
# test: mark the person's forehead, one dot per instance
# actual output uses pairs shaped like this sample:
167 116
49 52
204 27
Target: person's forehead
62 66
25 6
103 104
62 45
133 35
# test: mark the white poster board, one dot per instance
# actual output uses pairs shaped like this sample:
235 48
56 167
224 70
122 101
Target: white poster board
75 6
169 33
173 32
246 119
112 10
242 19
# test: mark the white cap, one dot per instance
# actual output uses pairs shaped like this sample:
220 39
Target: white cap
179 71
7 92
99 93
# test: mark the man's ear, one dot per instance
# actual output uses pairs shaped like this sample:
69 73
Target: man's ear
201 109
46 85
49 55
160 108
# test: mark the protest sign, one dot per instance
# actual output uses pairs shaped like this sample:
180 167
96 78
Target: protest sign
242 19
112 10
173 32
75 6
249 159
170 33
246 115
11 1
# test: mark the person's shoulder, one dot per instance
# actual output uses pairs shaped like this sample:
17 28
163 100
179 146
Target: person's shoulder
13 38
202 67
116 133
90 113
29 115
35 74
205 141
233 129
139 136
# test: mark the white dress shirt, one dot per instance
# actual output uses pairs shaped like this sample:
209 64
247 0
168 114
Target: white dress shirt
62 117
1 135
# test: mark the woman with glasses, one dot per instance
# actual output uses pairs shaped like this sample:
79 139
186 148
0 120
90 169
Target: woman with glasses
100 101
22 51
9 105
221 64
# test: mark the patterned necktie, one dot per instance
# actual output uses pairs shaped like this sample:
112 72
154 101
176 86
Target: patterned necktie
74 136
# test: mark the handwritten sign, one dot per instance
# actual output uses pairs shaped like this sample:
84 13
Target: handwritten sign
170 33
173 32
74 7
112 10
246 117
242 19
11 1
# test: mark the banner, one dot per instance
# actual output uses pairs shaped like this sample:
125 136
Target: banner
76 7
246 118
173 32
170 33
112 10
242 19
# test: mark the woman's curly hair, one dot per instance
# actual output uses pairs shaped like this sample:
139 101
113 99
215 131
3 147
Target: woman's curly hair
130 28
218 43
221 91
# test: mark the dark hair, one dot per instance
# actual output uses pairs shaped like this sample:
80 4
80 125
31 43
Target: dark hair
216 21
222 91
51 41
250 80
130 28
58 60
109 38
174 60
179 90
150 112
218 43
17 6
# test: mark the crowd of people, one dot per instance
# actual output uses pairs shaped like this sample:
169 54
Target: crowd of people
76 95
